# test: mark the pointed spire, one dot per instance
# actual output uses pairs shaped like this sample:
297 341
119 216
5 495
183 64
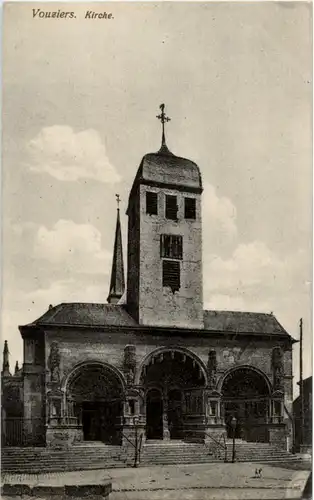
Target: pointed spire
16 370
117 284
5 362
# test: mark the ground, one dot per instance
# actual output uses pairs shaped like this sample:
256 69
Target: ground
184 482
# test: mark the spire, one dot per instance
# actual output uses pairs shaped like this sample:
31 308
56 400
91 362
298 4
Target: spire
163 118
16 368
117 283
5 362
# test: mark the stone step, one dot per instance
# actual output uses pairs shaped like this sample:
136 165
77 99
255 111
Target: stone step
76 458
181 453
23 460
57 467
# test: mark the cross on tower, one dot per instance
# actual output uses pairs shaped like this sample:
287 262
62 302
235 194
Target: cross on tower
118 200
163 118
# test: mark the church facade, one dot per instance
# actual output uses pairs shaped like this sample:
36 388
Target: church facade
152 362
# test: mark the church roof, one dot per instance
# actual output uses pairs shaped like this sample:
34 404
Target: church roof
165 168
86 314
238 321
102 315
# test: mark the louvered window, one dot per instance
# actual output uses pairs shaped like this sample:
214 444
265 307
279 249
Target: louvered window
171 246
189 208
171 274
151 203
171 207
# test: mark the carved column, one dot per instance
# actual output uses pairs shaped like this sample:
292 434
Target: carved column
129 363
277 368
55 396
165 423
212 369
215 427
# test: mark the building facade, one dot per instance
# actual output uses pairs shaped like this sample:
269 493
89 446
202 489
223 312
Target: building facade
152 361
303 440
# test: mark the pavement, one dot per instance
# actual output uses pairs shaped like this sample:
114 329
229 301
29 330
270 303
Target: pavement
179 482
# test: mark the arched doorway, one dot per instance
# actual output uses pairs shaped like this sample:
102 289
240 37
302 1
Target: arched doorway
246 396
175 413
154 411
174 382
97 395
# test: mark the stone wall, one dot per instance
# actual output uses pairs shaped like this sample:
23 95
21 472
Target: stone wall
83 345
34 389
78 346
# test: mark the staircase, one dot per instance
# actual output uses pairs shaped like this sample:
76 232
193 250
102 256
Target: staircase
176 452
258 452
159 453
96 455
83 456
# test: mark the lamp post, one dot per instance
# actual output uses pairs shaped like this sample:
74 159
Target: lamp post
233 425
135 421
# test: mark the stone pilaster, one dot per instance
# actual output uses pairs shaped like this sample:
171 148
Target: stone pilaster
165 422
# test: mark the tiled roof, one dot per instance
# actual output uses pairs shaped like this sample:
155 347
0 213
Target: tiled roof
242 322
89 314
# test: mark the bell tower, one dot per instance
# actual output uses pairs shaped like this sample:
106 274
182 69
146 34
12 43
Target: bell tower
164 278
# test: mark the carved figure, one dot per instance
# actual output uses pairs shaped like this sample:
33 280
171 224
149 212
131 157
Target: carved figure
129 363
212 368
130 376
278 368
54 362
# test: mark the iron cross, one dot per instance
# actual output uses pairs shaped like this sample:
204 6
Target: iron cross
163 118
118 200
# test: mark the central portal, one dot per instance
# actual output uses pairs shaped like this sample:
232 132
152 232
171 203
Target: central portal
169 379
154 412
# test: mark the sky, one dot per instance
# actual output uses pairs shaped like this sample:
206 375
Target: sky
80 99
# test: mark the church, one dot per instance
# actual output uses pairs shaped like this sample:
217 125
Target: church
151 363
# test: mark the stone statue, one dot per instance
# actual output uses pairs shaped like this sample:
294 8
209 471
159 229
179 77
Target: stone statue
212 368
129 363
54 362
130 376
278 369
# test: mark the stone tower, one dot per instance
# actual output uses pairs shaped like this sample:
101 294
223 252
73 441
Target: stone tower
164 279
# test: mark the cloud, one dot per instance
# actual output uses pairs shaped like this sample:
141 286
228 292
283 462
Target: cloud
77 247
255 266
71 290
20 307
255 278
219 213
68 155
249 266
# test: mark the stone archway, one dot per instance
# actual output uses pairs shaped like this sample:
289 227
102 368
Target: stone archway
96 392
178 378
246 395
